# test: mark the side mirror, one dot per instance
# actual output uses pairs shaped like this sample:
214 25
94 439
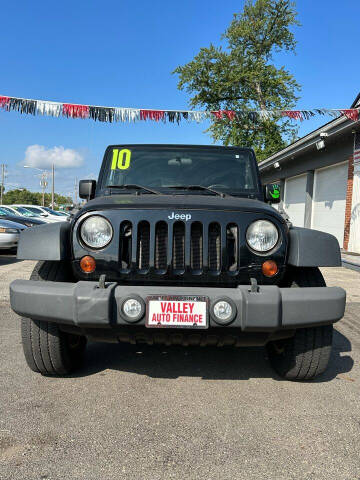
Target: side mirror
87 189
272 193
44 215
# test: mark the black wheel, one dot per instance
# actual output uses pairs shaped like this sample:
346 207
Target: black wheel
47 349
305 355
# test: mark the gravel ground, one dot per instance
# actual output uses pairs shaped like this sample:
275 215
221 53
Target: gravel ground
160 413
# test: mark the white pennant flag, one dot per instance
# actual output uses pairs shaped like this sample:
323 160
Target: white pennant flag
51 109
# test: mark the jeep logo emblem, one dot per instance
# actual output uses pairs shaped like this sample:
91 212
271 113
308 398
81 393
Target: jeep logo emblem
179 216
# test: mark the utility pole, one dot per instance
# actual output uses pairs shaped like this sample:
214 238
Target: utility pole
2 182
43 180
75 191
53 185
43 184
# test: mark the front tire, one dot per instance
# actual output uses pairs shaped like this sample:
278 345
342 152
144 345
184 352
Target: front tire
47 349
305 355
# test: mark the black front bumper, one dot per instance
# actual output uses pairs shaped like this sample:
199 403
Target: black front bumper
86 306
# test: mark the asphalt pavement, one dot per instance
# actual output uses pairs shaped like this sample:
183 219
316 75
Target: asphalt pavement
179 413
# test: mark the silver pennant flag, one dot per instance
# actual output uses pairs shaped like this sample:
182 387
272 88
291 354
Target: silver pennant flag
51 109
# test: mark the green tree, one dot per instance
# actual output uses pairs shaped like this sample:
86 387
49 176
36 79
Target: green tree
32 198
241 76
21 196
59 199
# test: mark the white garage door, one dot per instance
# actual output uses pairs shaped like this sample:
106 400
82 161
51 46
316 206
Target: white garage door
294 199
354 240
329 200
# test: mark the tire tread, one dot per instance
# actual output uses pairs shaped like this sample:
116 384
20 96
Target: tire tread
45 346
307 354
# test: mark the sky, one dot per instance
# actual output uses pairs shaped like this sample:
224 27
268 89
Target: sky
121 53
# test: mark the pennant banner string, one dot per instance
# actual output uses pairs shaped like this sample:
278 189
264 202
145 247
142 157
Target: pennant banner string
126 114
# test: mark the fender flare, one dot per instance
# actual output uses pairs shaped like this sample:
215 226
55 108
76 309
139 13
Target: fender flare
45 242
312 248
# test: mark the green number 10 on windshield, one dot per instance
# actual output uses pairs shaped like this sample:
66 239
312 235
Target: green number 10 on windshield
121 160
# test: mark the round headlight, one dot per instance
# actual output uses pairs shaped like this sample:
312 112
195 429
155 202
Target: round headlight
96 232
262 235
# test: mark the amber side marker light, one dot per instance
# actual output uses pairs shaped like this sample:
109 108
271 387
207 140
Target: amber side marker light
87 264
269 268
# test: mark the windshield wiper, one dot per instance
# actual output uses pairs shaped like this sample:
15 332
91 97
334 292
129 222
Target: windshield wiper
133 186
198 187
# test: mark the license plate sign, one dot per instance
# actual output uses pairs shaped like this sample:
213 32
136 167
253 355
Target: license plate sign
177 312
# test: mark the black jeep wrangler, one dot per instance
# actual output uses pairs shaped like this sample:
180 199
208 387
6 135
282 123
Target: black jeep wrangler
176 245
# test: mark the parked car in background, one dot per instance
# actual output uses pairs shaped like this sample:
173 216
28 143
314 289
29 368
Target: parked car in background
9 233
57 213
64 214
28 221
22 211
44 214
14 211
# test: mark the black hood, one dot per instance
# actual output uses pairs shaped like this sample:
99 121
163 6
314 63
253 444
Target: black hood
179 202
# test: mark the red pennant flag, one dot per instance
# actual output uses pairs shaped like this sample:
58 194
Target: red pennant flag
4 101
155 115
75 111
294 114
218 114
352 114
230 114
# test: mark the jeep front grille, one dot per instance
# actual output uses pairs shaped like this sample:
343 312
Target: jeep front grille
179 247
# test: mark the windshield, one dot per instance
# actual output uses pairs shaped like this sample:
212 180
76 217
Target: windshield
228 170
24 211
38 211
4 212
7 210
52 212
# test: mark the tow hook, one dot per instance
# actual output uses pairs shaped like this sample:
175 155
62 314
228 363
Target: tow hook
254 286
102 281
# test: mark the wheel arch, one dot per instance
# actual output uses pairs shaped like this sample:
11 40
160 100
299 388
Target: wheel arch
312 248
45 242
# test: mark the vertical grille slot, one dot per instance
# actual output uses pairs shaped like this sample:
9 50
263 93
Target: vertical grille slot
179 247
143 246
161 239
125 245
196 247
214 247
232 246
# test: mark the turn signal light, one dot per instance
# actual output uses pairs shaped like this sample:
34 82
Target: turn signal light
87 264
269 268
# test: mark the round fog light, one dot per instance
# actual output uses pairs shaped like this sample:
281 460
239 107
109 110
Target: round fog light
224 311
133 309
